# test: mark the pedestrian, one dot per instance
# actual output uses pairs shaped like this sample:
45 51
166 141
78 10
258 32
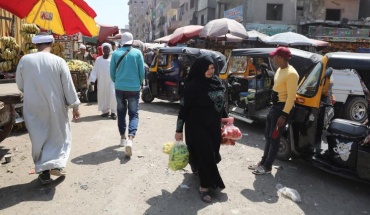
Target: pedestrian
173 74
149 56
106 93
201 109
282 97
113 44
84 55
48 89
127 73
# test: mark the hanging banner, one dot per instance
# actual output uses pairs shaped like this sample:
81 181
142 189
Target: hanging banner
235 13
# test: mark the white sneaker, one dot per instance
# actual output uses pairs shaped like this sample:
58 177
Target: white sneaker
123 143
128 149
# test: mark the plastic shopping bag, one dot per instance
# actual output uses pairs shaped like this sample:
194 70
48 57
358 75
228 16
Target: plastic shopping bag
230 133
178 157
167 147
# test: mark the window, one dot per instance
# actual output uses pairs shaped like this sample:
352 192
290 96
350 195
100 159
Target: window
274 12
202 20
191 4
299 11
311 82
332 14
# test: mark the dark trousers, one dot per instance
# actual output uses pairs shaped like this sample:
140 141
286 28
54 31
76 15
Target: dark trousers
272 145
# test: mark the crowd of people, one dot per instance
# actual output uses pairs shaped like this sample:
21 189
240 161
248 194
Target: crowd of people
120 74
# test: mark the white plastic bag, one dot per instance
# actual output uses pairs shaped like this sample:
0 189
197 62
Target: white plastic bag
289 193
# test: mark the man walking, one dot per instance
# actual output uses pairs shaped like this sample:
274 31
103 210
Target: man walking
282 97
106 93
127 73
46 82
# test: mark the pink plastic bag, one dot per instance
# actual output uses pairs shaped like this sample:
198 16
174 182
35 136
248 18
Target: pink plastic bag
229 131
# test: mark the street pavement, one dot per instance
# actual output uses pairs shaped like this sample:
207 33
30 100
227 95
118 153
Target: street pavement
101 180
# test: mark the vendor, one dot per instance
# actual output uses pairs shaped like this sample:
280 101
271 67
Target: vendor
84 55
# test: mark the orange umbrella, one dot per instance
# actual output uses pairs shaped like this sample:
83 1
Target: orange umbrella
63 17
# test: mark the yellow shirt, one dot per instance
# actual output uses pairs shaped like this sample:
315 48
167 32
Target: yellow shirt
285 84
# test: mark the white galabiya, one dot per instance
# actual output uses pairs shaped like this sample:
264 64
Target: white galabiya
106 92
48 89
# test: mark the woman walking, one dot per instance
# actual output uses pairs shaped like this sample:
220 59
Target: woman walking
202 108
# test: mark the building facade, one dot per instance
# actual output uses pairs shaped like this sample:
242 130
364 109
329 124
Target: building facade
137 15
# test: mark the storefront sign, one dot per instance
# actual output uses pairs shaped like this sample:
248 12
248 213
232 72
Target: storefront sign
319 31
270 29
235 13
66 38
345 39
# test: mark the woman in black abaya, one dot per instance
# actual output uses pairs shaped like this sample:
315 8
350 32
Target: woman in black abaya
202 108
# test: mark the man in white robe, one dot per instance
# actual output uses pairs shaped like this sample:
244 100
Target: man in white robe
106 92
46 82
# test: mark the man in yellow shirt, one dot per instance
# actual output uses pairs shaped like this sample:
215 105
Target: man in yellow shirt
282 97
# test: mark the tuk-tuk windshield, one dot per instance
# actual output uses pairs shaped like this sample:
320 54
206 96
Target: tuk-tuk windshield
237 64
311 82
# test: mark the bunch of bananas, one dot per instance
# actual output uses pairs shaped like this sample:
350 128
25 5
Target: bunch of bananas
29 29
9 54
6 66
80 66
58 49
28 46
31 51
10 50
8 42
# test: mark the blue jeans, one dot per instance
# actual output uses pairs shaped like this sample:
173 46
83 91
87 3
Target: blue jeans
272 145
127 101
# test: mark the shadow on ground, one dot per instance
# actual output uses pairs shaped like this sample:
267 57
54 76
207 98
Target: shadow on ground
183 200
33 191
105 155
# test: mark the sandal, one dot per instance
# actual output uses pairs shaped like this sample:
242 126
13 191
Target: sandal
203 196
254 166
58 172
261 171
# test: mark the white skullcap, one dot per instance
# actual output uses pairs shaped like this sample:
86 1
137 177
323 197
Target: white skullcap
82 46
37 39
107 44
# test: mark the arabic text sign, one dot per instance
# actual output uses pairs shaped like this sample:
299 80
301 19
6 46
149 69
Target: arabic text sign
235 13
337 32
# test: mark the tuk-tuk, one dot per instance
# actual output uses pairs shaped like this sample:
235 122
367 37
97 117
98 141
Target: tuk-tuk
161 64
334 145
250 85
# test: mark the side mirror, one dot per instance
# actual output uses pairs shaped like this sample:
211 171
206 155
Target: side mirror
328 72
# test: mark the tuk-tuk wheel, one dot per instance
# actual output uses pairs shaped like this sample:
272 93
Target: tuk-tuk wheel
285 150
147 97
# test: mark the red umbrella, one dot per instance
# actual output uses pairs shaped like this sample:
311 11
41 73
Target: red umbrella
63 17
183 34
107 30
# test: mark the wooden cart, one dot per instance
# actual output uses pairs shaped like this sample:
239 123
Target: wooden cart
80 81
9 99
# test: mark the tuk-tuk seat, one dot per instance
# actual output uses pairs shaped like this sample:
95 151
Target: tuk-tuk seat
170 83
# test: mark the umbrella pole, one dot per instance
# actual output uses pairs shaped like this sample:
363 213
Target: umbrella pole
38 11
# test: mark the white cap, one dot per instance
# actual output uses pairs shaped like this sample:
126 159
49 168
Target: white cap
42 38
82 46
127 38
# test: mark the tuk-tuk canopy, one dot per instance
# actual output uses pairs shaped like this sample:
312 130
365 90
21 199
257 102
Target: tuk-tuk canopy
196 52
346 60
301 60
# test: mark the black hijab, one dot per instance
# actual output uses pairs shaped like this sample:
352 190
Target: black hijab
197 75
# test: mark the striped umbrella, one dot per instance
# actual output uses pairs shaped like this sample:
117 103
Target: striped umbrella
63 17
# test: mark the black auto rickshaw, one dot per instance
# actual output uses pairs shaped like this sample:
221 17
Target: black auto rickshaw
161 64
249 85
334 145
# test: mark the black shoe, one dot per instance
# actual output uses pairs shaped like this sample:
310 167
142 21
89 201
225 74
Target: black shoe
44 177
105 115
113 116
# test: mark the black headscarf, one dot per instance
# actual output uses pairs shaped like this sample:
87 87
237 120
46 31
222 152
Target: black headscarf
197 75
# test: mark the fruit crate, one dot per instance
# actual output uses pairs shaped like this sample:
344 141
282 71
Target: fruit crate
80 81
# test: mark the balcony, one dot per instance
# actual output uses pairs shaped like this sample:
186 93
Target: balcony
172 25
